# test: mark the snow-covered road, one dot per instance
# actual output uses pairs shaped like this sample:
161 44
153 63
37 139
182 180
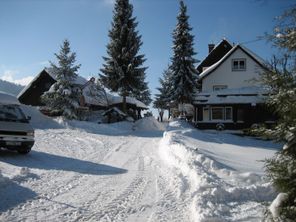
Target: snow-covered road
73 175
90 172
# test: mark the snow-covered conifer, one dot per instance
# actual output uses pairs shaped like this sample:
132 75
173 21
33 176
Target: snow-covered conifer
184 74
123 71
162 99
142 92
281 81
63 97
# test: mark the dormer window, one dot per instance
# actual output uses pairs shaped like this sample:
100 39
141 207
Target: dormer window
239 65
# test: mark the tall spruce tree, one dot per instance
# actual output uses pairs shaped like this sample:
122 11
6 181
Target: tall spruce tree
123 71
281 81
162 99
62 96
142 92
184 74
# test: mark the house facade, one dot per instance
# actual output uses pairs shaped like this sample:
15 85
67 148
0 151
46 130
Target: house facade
231 97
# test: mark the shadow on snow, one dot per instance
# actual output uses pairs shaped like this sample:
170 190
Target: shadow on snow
46 161
12 194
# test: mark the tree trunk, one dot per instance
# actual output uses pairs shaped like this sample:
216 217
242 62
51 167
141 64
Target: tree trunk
161 117
124 108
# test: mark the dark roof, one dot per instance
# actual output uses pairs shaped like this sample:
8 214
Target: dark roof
215 55
213 67
30 95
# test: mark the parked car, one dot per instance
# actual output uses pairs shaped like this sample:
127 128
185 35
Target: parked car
16 133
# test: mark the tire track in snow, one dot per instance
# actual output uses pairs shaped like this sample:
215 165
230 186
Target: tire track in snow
119 208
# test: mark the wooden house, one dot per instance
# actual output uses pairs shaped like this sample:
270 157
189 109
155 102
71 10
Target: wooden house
91 98
31 94
231 95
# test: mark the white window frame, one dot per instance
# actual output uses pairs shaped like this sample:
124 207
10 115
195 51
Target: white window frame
196 114
239 68
209 115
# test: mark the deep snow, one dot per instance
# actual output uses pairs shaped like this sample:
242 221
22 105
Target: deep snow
222 173
82 171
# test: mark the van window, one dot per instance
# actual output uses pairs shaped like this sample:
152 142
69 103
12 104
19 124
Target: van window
12 113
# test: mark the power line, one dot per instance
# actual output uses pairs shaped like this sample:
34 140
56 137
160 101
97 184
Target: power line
260 38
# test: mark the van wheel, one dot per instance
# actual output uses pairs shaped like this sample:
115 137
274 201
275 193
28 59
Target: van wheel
24 150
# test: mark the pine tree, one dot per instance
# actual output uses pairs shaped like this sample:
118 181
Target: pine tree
162 100
184 74
142 92
123 71
62 96
281 81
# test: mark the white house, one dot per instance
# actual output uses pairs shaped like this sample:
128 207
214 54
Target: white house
231 96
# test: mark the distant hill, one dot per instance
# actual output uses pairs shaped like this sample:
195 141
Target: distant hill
9 87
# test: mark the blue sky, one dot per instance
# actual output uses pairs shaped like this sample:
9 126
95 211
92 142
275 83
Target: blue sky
33 30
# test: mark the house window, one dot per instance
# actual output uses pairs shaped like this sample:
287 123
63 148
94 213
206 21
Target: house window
228 113
217 113
206 114
219 87
221 113
239 65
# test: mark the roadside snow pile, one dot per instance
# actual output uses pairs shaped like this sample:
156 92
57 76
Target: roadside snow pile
118 128
3 180
38 120
219 192
149 124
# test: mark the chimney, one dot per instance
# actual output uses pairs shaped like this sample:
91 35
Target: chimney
211 47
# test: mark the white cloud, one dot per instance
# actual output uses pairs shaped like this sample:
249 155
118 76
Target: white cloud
8 75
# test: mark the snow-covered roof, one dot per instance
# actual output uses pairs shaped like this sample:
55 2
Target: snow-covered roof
254 56
79 80
116 110
6 98
225 41
98 98
245 95
29 85
115 99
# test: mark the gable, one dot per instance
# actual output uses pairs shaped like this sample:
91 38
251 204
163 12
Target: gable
222 73
30 95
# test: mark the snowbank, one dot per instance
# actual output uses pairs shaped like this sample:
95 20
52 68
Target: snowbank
118 128
3 180
219 192
149 124
38 120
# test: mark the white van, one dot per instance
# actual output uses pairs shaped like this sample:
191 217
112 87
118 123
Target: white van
16 133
